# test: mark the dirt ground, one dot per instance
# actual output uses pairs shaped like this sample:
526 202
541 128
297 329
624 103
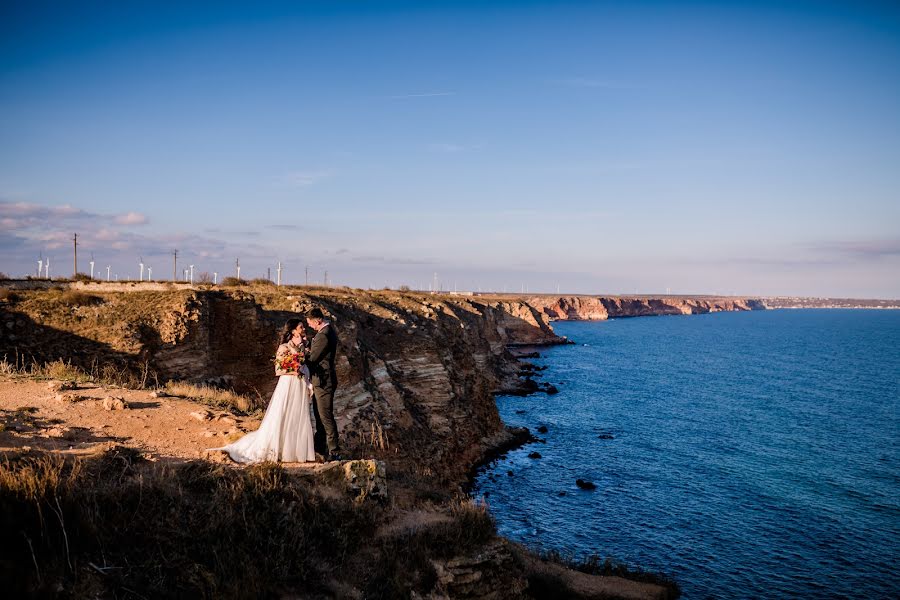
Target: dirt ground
76 421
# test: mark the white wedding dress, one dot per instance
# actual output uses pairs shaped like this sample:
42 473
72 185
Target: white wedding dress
286 433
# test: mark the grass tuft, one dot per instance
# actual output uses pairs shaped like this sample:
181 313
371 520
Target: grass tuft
212 396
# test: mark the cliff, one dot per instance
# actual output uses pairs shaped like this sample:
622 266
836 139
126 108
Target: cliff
417 372
600 308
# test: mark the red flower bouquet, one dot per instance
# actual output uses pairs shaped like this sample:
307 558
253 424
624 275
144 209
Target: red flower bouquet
289 363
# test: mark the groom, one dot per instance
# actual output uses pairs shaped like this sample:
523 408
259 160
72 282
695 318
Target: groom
324 380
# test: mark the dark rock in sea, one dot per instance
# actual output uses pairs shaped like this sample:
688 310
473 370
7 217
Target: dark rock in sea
561 494
526 387
534 455
529 355
551 389
521 412
605 436
509 473
585 485
542 429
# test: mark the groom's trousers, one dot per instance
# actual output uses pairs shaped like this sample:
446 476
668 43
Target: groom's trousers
326 437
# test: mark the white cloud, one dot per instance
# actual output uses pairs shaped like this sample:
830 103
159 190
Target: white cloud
131 218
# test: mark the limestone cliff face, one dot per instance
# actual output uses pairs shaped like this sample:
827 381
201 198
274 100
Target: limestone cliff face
599 308
416 372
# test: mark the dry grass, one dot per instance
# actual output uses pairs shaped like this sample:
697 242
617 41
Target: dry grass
110 375
76 298
114 527
213 396
8 295
232 281
262 281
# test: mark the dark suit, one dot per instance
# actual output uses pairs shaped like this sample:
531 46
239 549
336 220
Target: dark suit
323 377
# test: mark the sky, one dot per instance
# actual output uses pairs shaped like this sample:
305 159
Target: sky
748 148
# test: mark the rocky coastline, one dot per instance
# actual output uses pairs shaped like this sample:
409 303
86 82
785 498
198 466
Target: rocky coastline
418 374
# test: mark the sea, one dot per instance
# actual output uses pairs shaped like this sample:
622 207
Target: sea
744 454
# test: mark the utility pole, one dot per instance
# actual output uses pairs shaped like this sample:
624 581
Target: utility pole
268 273
174 265
237 266
307 275
326 278
75 265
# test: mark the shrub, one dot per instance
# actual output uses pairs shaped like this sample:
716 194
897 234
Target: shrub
62 369
203 277
3 275
262 281
82 277
76 298
233 281
8 295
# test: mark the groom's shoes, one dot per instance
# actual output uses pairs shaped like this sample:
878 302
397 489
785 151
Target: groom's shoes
333 456
320 458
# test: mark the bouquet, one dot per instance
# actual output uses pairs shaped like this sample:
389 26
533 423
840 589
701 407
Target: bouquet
289 363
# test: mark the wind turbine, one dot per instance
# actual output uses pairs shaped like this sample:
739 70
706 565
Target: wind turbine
108 267
149 273
192 274
92 266
141 263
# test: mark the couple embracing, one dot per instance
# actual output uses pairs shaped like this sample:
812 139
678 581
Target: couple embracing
306 376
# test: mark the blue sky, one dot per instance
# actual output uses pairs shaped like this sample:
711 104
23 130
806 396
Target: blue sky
602 147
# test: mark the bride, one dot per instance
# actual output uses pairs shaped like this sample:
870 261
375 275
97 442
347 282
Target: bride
286 432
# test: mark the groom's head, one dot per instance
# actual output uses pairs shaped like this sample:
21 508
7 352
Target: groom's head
316 318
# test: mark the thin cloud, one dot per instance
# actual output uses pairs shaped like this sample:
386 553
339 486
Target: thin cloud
391 261
25 215
860 249
302 179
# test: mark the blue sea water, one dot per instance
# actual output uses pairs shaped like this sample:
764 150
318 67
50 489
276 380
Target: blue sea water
747 455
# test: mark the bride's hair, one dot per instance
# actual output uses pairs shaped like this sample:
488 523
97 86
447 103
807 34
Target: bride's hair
288 331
